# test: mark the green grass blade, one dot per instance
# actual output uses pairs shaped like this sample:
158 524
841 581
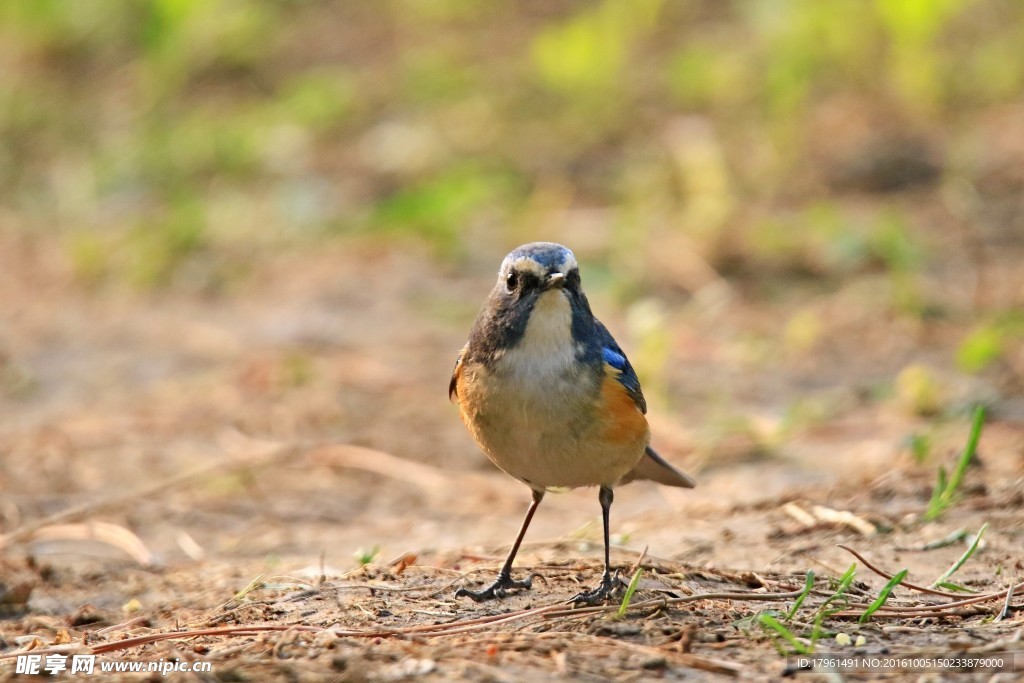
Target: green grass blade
955 587
771 622
816 631
883 596
972 446
803 596
633 583
935 507
955 537
946 488
845 581
953 568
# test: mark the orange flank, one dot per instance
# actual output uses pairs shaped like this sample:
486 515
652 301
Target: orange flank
625 421
465 391
460 390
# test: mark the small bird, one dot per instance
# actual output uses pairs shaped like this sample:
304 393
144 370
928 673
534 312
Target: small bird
550 397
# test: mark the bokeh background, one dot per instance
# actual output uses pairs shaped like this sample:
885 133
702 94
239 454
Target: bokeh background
230 226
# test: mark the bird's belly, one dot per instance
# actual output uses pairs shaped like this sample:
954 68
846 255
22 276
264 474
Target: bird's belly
551 434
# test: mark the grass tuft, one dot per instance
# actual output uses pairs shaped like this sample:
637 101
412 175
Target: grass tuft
365 557
839 597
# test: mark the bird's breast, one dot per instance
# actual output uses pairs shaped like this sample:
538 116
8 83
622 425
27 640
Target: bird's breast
542 414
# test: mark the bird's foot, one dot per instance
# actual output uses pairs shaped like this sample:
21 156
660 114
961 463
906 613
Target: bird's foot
499 589
608 590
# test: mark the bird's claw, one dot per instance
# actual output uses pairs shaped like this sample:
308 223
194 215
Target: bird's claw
608 590
499 589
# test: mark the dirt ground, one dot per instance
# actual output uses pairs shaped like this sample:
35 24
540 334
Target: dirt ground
241 244
176 463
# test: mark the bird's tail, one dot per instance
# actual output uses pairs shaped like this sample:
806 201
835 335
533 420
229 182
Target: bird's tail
654 468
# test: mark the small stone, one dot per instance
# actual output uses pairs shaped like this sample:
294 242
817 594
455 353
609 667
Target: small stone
654 663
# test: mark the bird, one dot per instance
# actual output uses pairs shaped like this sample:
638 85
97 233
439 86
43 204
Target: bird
551 398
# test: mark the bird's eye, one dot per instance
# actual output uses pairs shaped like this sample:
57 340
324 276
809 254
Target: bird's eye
511 281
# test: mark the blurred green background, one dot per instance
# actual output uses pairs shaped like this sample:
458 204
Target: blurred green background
763 148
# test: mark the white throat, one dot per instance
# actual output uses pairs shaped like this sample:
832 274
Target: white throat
547 346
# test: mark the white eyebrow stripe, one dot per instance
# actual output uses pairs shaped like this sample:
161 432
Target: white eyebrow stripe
529 265
525 264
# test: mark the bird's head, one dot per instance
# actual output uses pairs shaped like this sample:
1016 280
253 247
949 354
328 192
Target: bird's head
535 270
537 302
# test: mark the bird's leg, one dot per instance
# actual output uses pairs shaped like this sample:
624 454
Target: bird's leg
505 582
607 587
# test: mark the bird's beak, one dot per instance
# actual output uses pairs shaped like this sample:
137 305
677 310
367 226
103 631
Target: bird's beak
555 280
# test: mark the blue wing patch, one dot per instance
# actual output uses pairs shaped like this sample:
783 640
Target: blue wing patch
615 357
